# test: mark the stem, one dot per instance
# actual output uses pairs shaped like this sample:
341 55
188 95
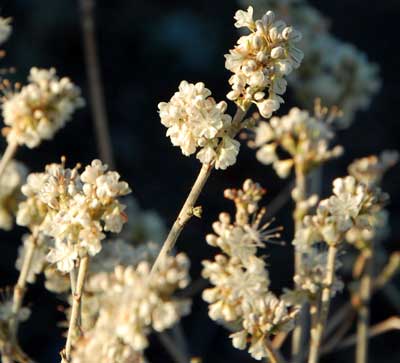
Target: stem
318 330
95 82
299 338
389 324
187 210
20 287
184 215
274 356
77 298
172 348
363 311
9 153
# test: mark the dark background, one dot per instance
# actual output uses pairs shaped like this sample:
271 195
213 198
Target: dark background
146 49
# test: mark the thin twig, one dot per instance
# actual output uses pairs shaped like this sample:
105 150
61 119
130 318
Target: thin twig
299 338
188 209
9 153
274 355
77 298
389 324
20 287
363 312
318 329
176 354
95 83
184 216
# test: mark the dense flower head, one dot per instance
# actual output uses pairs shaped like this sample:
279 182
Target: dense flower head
240 293
38 110
371 169
305 138
261 60
124 306
310 280
5 29
334 70
10 184
74 209
351 205
195 121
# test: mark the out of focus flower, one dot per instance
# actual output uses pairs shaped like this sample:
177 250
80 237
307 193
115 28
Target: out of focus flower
38 110
5 29
10 185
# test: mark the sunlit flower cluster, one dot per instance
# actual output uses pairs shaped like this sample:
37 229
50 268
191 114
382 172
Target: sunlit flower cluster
310 280
194 120
336 71
303 136
10 184
38 110
261 60
125 307
351 205
5 29
370 171
241 282
74 209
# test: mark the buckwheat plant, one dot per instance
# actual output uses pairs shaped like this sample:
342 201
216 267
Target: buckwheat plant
298 141
370 171
336 71
35 112
241 294
196 121
351 205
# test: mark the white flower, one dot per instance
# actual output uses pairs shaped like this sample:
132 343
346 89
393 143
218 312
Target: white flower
193 118
63 255
227 154
38 110
5 29
260 60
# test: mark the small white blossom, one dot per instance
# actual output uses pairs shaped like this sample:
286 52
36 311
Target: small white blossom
5 29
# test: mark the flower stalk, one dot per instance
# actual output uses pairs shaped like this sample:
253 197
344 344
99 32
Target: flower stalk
20 287
188 209
363 311
77 299
317 328
7 156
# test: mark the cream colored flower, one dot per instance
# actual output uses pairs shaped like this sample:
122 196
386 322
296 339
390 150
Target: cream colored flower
38 110
261 60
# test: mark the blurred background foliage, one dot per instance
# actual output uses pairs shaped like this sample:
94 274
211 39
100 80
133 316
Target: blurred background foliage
146 48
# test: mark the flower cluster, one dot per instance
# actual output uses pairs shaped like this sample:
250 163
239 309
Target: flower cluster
311 278
73 209
194 120
123 307
304 137
370 171
38 110
334 70
5 29
10 184
351 205
261 60
241 282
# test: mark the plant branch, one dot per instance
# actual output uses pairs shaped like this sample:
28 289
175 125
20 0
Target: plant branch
172 348
20 287
318 329
77 299
9 153
95 83
363 311
188 209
